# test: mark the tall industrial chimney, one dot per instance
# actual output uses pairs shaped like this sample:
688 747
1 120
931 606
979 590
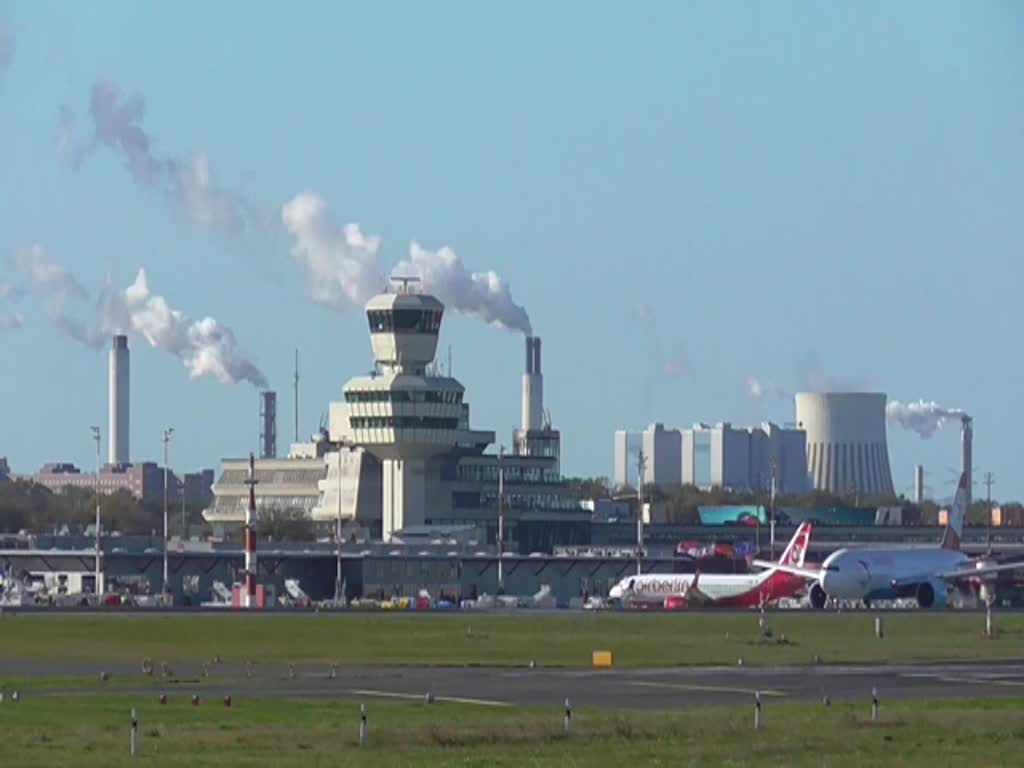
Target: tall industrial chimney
533 387
966 452
268 425
918 483
119 400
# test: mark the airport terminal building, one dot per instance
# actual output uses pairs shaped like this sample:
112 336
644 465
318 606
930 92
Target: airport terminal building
399 452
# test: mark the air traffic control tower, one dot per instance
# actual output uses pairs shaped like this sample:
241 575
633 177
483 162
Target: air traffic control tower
402 413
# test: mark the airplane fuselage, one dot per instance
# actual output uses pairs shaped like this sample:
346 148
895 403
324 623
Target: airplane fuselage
870 574
720 590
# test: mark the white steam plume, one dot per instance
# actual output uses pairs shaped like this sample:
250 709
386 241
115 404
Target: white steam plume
758 389
205 347
35 264
483 295
340 263
342 268
924 418
187 184
11 322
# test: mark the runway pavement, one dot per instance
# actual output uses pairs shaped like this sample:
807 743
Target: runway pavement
503 686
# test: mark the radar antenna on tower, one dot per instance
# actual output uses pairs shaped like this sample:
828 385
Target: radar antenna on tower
404 280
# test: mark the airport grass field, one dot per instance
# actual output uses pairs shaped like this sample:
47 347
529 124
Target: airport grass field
639 640
94 731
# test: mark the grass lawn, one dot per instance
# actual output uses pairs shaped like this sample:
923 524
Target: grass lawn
558 639
85 731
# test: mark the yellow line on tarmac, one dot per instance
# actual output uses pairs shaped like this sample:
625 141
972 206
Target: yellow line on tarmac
421 697
706 688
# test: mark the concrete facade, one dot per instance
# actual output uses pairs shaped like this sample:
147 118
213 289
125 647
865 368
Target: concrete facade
119 403
663 454
745 458
399 452
627 445
847 452
143 481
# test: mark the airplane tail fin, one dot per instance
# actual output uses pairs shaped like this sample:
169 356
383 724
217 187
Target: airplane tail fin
957 514
797 547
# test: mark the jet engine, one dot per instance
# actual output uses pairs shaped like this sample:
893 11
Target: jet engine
931 594
818 596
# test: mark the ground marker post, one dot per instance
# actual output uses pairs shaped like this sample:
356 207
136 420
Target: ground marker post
568 717
879 631
134 738
874 705
988 618
757 710
362 725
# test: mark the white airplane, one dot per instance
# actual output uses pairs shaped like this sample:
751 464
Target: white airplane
887 574
680 590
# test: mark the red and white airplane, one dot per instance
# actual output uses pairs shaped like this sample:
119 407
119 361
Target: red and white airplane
747 590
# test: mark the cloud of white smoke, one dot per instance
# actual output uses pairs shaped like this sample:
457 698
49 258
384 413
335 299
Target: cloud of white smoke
340 263
187 184
924 418
484 295
12 322
205 347
35 264
759 389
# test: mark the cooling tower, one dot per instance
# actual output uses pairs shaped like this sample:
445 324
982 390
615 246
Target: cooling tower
119 399
846 444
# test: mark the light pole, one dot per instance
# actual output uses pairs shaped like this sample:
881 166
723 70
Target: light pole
640 462
771 514
337 540
96 437
501 518
167 439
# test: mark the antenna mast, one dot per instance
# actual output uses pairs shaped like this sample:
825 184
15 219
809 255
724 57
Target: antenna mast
296 395
404 280
989 481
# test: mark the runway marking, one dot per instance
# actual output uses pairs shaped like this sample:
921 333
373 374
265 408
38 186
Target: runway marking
421 697
949 678
707 688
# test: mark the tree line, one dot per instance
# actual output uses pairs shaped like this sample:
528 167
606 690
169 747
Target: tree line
681 502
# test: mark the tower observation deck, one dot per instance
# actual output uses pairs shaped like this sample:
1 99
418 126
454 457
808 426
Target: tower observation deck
402 413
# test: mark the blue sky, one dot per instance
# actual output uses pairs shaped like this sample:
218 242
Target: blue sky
682 195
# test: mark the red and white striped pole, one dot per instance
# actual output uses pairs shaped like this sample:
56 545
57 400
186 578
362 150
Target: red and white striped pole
249 596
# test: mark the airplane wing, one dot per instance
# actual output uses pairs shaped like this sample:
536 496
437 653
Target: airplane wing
807 573
966 573
693 594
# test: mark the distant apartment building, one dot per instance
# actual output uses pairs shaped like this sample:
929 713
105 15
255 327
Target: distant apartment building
5 469
627 446
143 481
663 454
745 458
662 451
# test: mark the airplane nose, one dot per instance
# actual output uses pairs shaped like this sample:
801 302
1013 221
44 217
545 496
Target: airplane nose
615 593
828 583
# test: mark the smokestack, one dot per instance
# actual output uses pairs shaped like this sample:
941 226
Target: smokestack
119 400
268 425
966 451
918 483
533 387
